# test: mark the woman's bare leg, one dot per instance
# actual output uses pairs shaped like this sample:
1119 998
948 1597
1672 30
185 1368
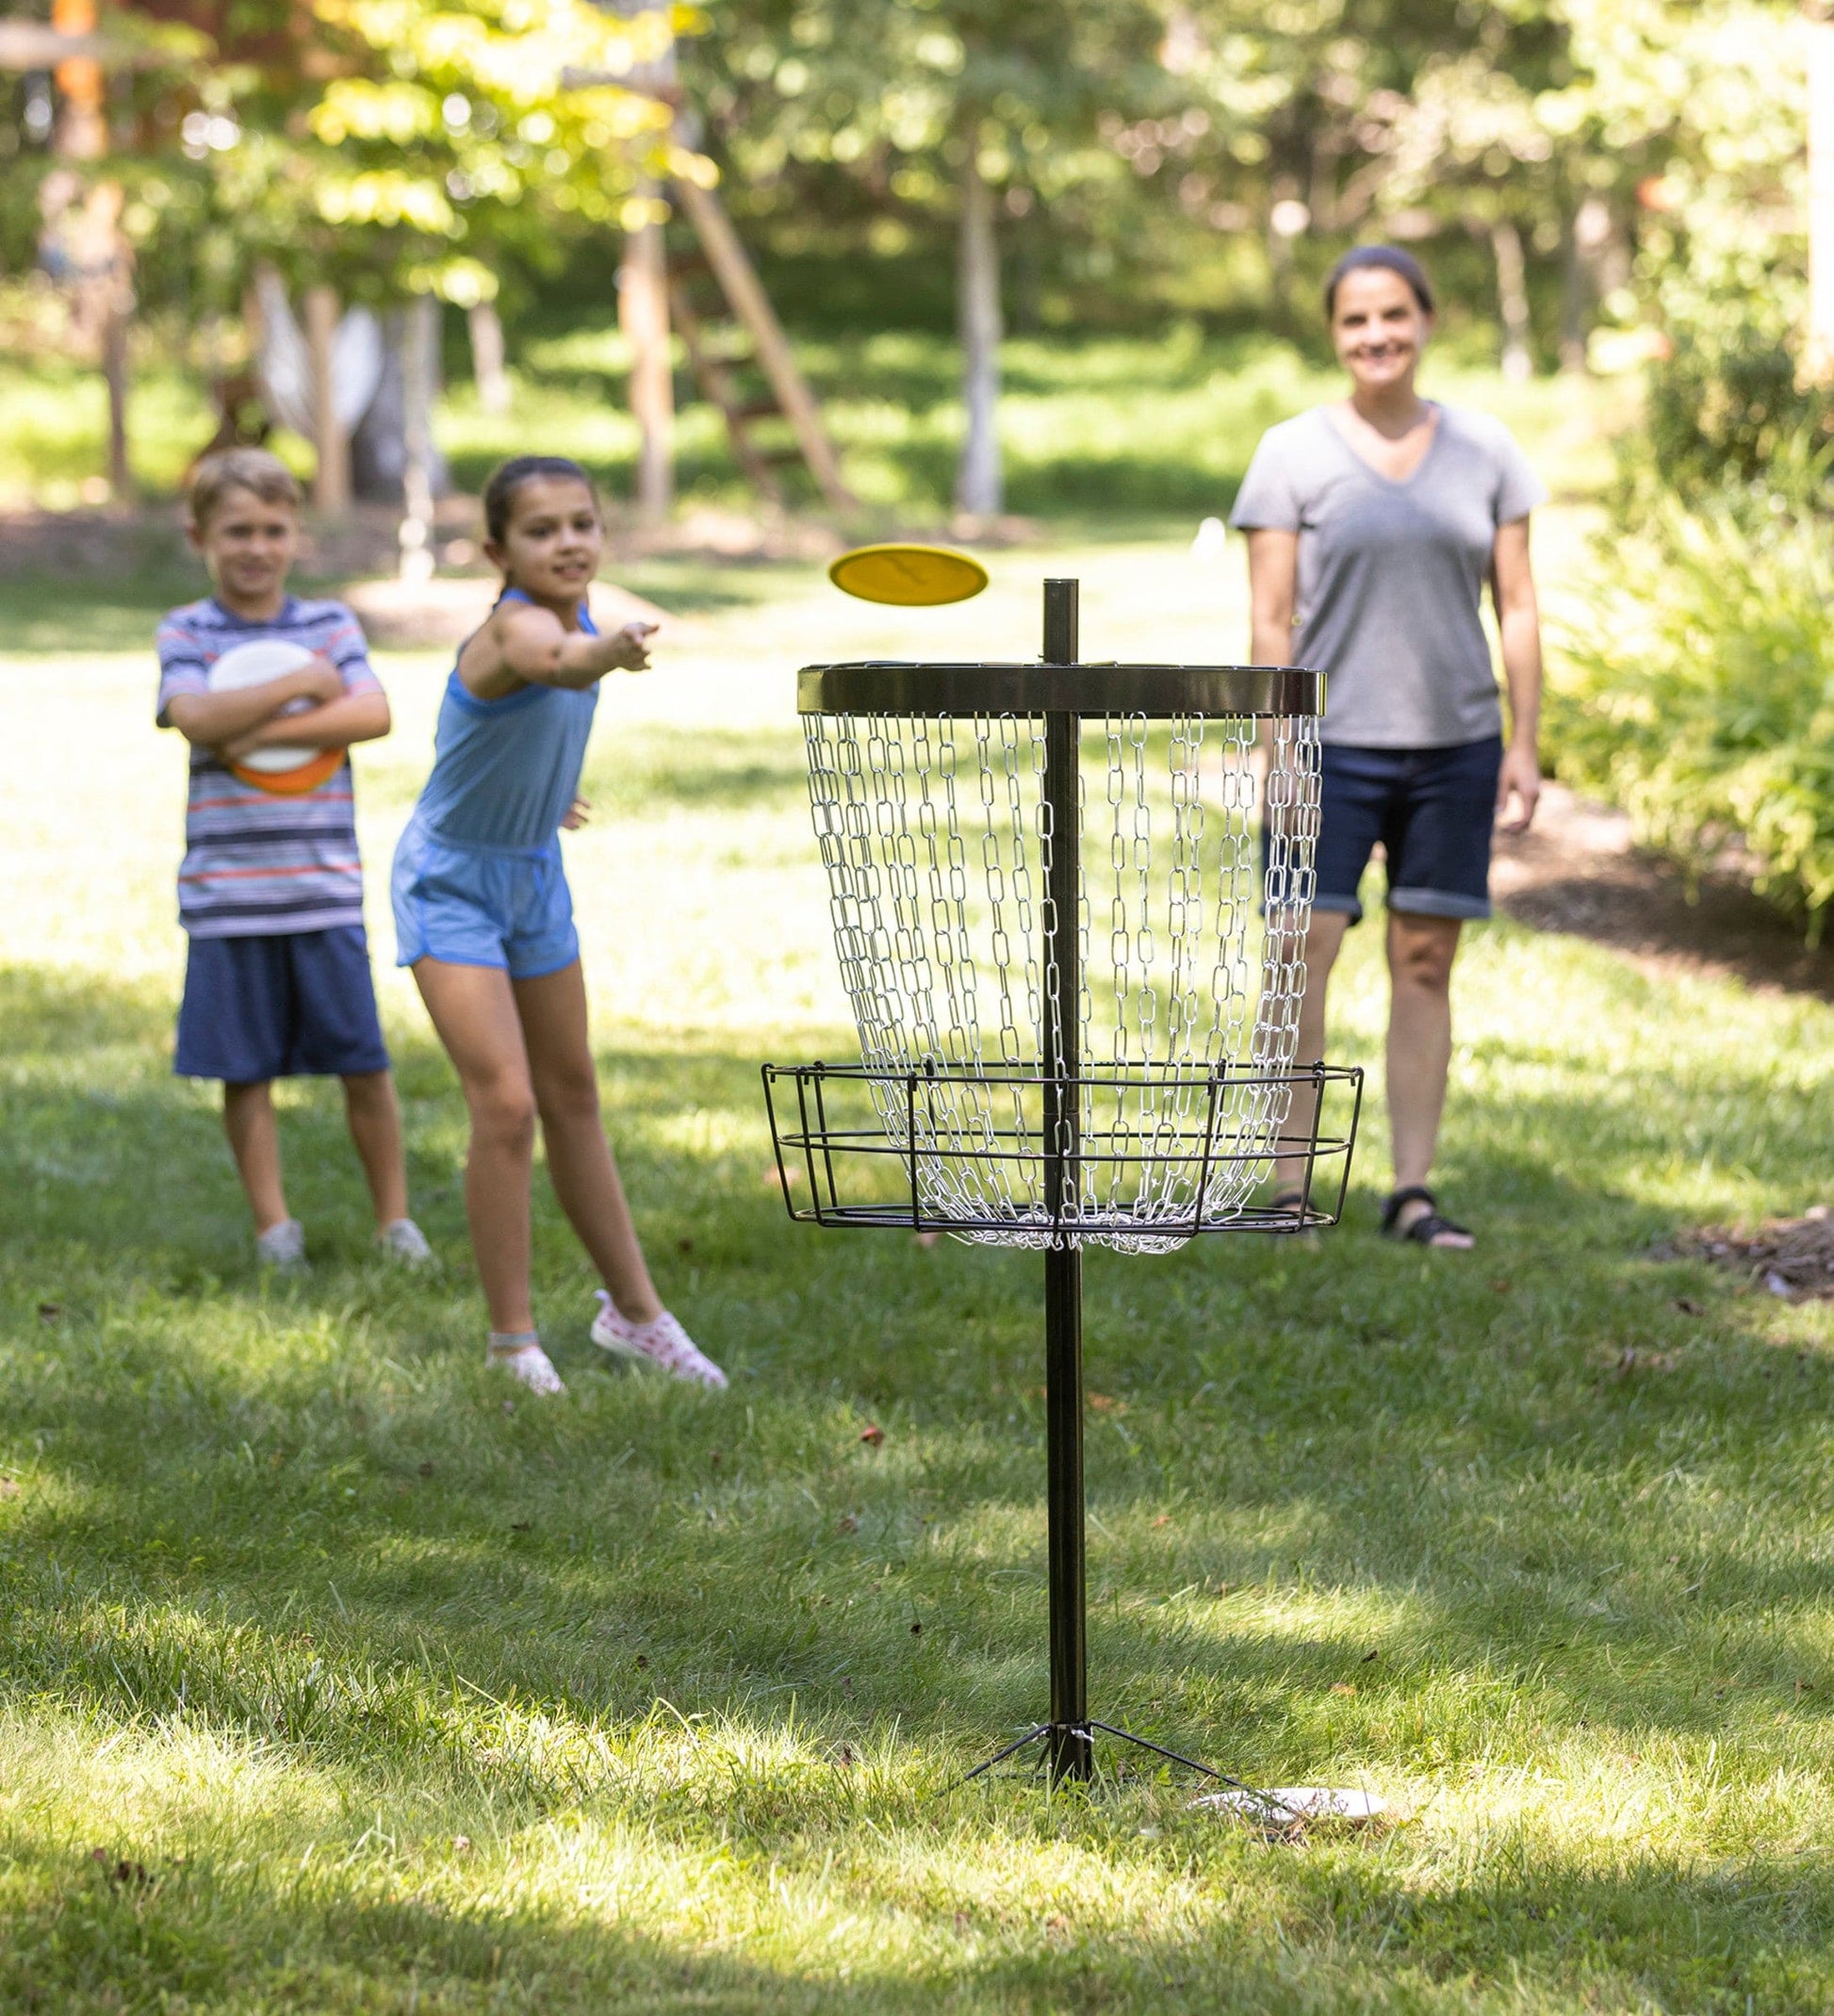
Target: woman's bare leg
474 1011
1324 940
579 1162
1420 954
248 1119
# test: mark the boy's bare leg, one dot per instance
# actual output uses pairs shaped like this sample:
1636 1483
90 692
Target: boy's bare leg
375 1123
580 1162
248 1117
475 1013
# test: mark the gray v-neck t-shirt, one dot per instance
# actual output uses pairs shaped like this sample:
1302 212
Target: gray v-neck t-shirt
1391 574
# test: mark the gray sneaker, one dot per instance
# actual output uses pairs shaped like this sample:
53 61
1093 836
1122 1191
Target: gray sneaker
282 1246
403 1240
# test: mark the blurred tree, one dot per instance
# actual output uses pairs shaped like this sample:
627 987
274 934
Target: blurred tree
972 109
1818 354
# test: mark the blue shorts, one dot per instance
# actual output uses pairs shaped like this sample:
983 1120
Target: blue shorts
479 907
293 1005
1432 810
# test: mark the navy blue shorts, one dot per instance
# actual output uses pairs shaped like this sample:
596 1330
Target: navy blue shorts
1432 810
299 1003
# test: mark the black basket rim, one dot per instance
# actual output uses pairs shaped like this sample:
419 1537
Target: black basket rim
1155 692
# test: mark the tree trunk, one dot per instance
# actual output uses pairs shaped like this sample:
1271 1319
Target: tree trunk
1513 299
487 327
114 368
331 480
1591 270
81 134
642 315
979 488
420 370
1818 348
378 442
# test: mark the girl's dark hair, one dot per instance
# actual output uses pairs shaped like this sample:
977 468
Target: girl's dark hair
1389 259
500 492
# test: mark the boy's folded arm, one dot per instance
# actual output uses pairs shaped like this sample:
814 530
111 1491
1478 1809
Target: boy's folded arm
209 719
356 717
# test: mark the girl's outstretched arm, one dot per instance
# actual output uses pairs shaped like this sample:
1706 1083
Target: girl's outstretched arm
524 645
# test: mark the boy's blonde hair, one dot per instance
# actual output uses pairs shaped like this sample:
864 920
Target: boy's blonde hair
239 469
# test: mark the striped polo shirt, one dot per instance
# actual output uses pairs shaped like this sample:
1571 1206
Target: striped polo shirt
257 864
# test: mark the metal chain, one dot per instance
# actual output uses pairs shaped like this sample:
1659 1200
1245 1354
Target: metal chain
937 901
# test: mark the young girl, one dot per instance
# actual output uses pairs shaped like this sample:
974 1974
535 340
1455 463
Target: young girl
483 917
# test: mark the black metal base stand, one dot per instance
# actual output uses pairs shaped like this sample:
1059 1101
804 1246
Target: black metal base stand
1068 1736
1082 1735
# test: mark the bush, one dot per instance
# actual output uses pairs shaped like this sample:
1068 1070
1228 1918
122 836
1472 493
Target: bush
1699 695
1724 410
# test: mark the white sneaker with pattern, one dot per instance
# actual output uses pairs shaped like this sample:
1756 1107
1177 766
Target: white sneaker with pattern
282 1246
523 1358
662 1342
402 1239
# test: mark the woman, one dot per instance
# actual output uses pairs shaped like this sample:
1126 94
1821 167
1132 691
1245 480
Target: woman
1373 525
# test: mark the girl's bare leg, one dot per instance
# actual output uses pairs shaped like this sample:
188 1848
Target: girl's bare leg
248 1117
474 1011
375 1124
554 1025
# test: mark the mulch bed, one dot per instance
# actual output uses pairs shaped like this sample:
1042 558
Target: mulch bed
1793 1257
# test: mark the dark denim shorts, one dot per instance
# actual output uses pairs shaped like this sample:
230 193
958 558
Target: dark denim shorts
296 1003
1433 811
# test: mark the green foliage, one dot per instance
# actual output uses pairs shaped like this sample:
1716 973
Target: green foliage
1698 694
1727 413
446 135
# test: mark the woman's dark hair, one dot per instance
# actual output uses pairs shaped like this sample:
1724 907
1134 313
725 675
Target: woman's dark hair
500 492
1387 258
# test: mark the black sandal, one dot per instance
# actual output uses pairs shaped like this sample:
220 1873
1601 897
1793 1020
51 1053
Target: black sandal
1426 1230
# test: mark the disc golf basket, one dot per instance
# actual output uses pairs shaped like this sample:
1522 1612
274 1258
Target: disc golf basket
1075 962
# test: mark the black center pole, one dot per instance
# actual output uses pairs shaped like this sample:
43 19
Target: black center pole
1072 1748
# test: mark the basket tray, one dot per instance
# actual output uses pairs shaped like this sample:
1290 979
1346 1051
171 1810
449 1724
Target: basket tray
878 1149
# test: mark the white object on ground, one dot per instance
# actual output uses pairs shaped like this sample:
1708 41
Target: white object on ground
282 1245
254 665
1212 540
402 1239
1292 1805
529 1363
661 1342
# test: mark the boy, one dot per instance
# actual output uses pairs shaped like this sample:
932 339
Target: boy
277 982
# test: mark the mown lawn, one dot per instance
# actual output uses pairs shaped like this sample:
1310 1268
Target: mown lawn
1140 428
336 1676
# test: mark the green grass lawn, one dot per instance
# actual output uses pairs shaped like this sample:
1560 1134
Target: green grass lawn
335 1675
1128 428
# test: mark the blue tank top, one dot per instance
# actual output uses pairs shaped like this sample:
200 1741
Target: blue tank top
506 772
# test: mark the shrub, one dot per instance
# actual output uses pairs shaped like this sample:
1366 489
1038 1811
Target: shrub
1698 694
1725 409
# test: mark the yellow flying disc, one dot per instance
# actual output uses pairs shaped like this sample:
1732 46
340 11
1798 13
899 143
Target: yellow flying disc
913 576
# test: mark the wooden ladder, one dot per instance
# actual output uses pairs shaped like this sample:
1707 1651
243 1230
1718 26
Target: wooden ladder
745 305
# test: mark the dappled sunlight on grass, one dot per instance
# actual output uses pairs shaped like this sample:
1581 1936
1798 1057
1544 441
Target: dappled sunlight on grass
379 1680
